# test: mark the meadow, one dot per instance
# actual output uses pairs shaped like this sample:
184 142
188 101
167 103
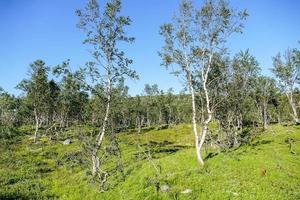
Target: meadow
158 163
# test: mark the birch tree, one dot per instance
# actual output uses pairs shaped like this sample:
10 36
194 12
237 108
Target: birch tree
243 74
286 68
265 89
192 41
72 97
105 31
7 108
37 90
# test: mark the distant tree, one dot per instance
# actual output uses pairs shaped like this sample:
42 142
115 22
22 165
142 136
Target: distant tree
239 108
286 68
137 111
37 90
72 96
265 90
96 109
53 101
151 103
7 108
192 42
105 30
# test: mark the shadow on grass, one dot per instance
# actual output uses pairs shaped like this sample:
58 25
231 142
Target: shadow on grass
160 149
211 155
157 144
261 143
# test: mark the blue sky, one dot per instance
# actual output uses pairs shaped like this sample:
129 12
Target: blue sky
46 29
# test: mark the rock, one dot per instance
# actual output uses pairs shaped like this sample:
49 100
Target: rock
235 194
186 191
67 142
164 188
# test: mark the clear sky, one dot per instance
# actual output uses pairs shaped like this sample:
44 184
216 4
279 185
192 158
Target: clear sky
46 29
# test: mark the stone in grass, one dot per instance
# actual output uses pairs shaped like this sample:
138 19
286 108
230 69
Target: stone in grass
186 191
67 142
164 188
233 193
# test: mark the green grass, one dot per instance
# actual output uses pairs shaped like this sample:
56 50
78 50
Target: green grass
267 168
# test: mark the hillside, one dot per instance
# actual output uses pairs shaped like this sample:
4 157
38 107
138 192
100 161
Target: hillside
266 168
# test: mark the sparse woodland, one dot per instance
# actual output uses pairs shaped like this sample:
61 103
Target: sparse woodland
86 123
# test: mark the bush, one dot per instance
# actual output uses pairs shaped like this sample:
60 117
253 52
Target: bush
8 133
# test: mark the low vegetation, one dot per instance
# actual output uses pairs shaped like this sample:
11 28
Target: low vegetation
266 167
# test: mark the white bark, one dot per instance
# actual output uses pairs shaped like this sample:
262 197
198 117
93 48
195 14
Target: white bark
100 136
36 126
265 116
199 143
160 117
148 117
194 111
208 109
194 121
293 106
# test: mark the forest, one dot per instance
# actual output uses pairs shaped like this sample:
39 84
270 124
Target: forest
231 132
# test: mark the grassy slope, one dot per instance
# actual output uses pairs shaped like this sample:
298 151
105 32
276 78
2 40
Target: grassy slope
266 169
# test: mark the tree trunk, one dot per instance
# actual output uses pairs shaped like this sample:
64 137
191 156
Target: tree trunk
293 106
194 122
209 113
36 126
208 110
265 116
159 117
138 123
200 143
148 117
194 116
100 136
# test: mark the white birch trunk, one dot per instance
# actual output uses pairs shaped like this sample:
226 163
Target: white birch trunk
265 116
100 136
194 123
293 106
208 110
36 126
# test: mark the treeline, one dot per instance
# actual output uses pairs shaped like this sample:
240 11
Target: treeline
243 97
66 101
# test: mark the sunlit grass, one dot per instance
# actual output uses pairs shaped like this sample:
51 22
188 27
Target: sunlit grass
267 168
